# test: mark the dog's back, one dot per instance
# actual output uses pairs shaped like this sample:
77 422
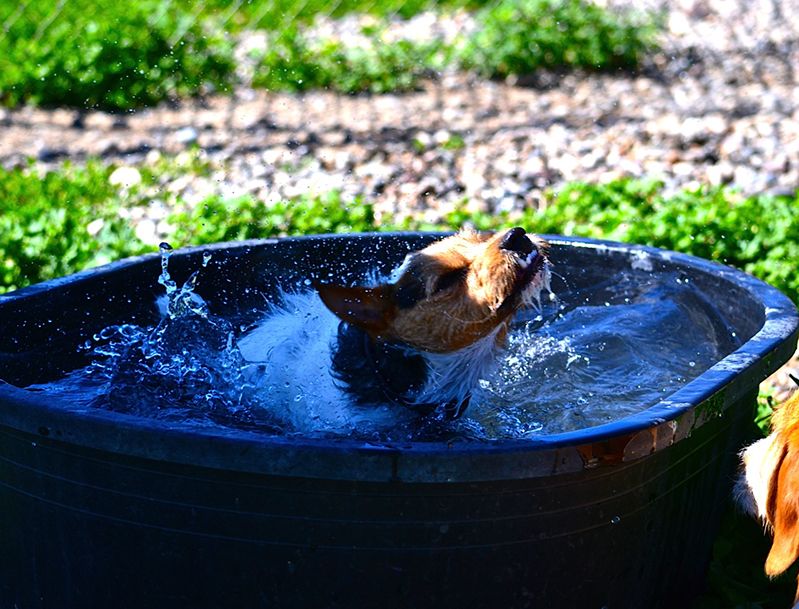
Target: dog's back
317 376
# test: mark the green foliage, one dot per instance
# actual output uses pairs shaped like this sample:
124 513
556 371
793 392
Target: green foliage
44 221
217 219
294 63
275 15
110 55
759 234
521 36
58 223
764 410
455 142
513 37
119 57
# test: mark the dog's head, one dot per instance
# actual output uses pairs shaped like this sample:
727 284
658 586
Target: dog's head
450 294
768 486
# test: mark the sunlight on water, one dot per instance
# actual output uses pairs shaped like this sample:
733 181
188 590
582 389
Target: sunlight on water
587 358
595 361
187 369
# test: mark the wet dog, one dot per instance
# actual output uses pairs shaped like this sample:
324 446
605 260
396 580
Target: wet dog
768 487
423 339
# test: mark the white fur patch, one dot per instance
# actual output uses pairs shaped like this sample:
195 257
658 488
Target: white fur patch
531 296
528 259
452 376
759 461
295 341
301 320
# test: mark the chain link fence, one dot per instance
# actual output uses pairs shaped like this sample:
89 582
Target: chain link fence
718 26
716 103
696 31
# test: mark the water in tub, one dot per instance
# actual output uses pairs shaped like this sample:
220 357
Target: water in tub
582 359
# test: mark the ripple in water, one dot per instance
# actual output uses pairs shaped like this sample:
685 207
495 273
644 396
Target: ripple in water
587 358
598 359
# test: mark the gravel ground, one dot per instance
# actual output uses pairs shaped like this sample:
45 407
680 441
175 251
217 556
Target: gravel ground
719 105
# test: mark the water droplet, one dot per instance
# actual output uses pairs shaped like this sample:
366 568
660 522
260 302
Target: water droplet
615 520
164 279
206 258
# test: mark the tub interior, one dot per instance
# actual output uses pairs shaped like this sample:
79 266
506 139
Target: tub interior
47 326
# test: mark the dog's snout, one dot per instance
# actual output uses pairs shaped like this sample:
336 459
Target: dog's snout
516 240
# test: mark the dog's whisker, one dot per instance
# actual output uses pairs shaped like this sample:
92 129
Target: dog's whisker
468 321
568 284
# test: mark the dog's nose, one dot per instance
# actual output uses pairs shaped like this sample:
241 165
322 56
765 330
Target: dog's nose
516 240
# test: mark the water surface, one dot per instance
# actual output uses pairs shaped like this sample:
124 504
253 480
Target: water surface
585 358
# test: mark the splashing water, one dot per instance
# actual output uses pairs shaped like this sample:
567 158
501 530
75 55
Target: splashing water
186 369
589 357
601 356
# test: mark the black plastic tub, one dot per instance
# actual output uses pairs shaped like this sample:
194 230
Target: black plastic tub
108 510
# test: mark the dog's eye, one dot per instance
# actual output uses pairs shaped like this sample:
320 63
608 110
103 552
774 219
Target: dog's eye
450 279
409 293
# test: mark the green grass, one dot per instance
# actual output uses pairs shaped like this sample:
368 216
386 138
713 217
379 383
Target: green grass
218 219
293 62
514 37
58 223
119 57
518 37
43 220
759 234
111 56
274 15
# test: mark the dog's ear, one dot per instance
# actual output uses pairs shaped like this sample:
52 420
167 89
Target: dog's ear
783 509
370 309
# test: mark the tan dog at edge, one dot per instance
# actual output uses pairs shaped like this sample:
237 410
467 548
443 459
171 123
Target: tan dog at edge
768 487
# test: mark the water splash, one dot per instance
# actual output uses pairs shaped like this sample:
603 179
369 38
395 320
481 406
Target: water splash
591 356
186 369
164 279
183 301
602 355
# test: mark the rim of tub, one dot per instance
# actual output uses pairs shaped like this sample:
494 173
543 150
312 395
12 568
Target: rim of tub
670 420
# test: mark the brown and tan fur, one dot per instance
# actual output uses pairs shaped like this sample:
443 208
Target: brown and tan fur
479 276
769 486
423 339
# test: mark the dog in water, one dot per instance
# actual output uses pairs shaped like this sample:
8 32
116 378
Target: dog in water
768 487
422 340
